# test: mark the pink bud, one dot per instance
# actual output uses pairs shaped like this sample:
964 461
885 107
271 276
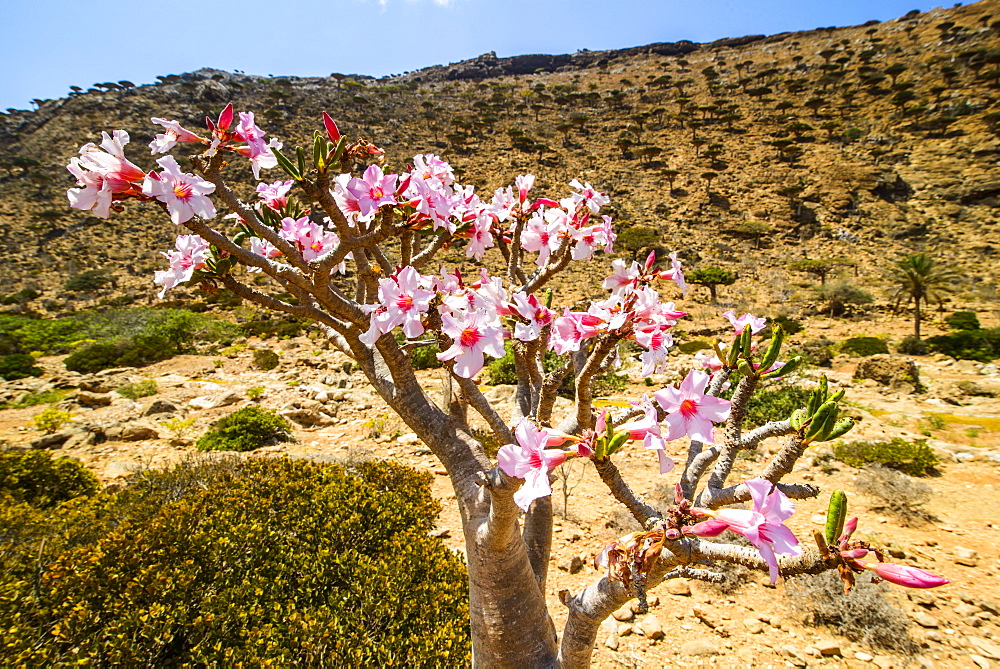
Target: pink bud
678 493
854 553
546 201
672 534
210 124
849 528
602 424
226 117
584 450
332 131
707 528
908 577
650 259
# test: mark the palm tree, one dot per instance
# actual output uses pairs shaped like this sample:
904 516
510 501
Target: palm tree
918 278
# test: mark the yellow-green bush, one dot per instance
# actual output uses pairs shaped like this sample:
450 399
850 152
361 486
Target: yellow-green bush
33 477
246 429
227 563
915 458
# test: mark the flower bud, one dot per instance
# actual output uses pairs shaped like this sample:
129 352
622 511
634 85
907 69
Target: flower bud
226 117
908 577
712 527
849 528
332 131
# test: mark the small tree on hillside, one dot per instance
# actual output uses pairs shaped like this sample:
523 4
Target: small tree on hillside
819 267
711 277
919 279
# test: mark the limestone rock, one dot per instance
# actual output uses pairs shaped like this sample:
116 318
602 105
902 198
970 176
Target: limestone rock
925 620
92 400
651 627
828 647
679 587
699 647
888 370
223 399
51 441
753 625
624 614
132 432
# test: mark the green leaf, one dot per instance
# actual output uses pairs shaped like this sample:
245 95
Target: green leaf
836 514
285 164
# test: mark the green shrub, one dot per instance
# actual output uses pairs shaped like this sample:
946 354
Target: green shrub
275 327
246 429
423 357
225 563
265 359
963 320
837 296
915 458
91 279
912 346
863 346
33 477
134 391
18 366
20 297
775 403
789 325
41 397
981 345
136 351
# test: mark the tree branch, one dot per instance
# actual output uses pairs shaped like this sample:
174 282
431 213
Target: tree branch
621 491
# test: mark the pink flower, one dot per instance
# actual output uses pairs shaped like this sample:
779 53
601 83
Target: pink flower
712 527
169 139
543 233
184 194
527 307
401 302
473 336
432 167
256 150
709 361
587 196
756 324
647 429
313 240
906 576
524 182
191 254
531 461
623 277
275 195
690 411
675 274
656 342
480 236
571 329
763 525
373 190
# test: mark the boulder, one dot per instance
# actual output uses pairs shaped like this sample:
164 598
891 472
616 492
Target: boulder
92 400
131 432
160 406
51 441
895 371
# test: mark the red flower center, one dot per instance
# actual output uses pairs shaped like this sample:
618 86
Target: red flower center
689 408
404 302
469 337
182 190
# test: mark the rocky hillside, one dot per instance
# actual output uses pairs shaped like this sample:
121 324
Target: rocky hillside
862 142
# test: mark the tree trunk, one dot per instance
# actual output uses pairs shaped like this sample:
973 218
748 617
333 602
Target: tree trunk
712 288
916 317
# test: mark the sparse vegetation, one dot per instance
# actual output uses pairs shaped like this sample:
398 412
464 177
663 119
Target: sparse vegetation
895 493
138 389
265 359
915 458
863 346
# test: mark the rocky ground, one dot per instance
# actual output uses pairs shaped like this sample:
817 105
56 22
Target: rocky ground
338 417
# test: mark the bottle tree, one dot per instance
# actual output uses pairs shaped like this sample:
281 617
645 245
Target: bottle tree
357 254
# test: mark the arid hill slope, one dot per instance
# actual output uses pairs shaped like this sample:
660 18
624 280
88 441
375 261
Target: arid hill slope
863 142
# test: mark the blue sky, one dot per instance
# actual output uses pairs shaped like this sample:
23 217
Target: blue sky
48 45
